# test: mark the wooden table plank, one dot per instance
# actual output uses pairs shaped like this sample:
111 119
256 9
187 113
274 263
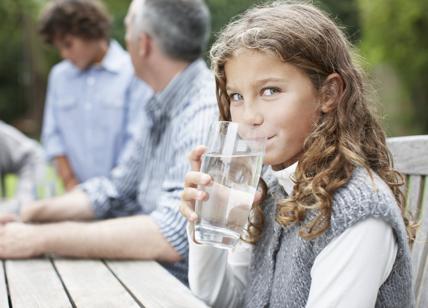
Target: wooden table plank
35 283
3 289
91 284
154 286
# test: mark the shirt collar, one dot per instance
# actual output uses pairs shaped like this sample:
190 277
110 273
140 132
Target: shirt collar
172 98
284 177
112 61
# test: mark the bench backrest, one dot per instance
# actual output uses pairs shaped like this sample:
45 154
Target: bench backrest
410 155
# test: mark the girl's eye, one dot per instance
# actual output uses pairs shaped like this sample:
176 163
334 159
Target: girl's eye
270 91
235 97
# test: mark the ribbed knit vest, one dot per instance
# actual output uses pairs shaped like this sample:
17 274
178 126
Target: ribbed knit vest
279 274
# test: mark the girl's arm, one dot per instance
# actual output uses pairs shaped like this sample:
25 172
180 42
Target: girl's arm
218 276
352 268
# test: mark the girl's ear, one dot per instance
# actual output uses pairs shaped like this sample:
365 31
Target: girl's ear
331 91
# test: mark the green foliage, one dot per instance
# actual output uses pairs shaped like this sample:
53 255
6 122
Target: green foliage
345 14
395 38
12 70
118 9
390 33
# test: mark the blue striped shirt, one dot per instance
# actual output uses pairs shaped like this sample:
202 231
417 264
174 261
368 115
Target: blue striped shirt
151 179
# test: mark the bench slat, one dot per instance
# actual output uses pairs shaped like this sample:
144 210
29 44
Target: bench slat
422 297
34 283
414 195
419 249
154 286
410 154
91 284
3 289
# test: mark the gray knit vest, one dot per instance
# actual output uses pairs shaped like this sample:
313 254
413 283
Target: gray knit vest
279 274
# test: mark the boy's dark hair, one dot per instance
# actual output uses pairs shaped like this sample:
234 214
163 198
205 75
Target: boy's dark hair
86 19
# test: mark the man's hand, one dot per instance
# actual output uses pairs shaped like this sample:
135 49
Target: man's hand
18 240
8 217
30 210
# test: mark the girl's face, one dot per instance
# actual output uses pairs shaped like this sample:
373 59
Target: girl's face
275 97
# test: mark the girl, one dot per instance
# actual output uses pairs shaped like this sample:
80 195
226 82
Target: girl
338 239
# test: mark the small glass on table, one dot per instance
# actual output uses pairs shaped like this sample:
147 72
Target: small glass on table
234 161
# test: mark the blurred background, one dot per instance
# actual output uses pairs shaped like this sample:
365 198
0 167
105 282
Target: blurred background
391 35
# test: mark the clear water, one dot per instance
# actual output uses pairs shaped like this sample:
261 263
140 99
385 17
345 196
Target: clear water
224 215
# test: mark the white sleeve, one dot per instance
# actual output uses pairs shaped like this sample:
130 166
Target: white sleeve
217 276
350 270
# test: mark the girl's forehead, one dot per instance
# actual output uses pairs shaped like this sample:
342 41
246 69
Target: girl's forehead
255 51
249 59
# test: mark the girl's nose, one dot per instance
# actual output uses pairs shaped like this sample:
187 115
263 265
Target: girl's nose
252 116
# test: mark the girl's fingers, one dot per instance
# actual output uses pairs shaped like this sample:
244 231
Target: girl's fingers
195 157
187 211
194 178
191 194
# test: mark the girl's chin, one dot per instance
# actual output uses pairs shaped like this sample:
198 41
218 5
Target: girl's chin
277 163
271 161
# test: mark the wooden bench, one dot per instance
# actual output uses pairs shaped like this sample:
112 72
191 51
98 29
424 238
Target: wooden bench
410 155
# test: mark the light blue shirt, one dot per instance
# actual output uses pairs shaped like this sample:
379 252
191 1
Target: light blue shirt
92 115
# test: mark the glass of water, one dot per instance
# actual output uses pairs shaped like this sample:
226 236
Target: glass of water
234 161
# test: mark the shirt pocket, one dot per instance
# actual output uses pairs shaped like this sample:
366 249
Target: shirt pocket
66 103
112 102
110 117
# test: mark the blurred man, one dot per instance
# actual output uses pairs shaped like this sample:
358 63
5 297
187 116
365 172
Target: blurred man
93 100
23 157
166 39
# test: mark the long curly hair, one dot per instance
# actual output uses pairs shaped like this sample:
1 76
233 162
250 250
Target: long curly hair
342 139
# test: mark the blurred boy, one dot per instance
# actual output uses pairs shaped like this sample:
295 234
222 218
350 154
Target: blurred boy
93 101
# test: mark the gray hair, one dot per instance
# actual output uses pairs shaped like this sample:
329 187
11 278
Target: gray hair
180 27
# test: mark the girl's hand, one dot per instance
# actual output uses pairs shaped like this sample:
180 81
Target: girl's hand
192 180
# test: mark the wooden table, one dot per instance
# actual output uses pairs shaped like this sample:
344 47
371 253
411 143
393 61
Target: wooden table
90 283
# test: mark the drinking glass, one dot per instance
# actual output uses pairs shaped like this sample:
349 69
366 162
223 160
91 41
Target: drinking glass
234 161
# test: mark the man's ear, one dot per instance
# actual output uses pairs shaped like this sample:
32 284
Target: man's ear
144 44
331 91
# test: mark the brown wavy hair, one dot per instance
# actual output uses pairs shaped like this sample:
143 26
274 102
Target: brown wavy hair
87 19
342 139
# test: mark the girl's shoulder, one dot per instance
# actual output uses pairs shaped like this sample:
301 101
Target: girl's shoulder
365 195
364 187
